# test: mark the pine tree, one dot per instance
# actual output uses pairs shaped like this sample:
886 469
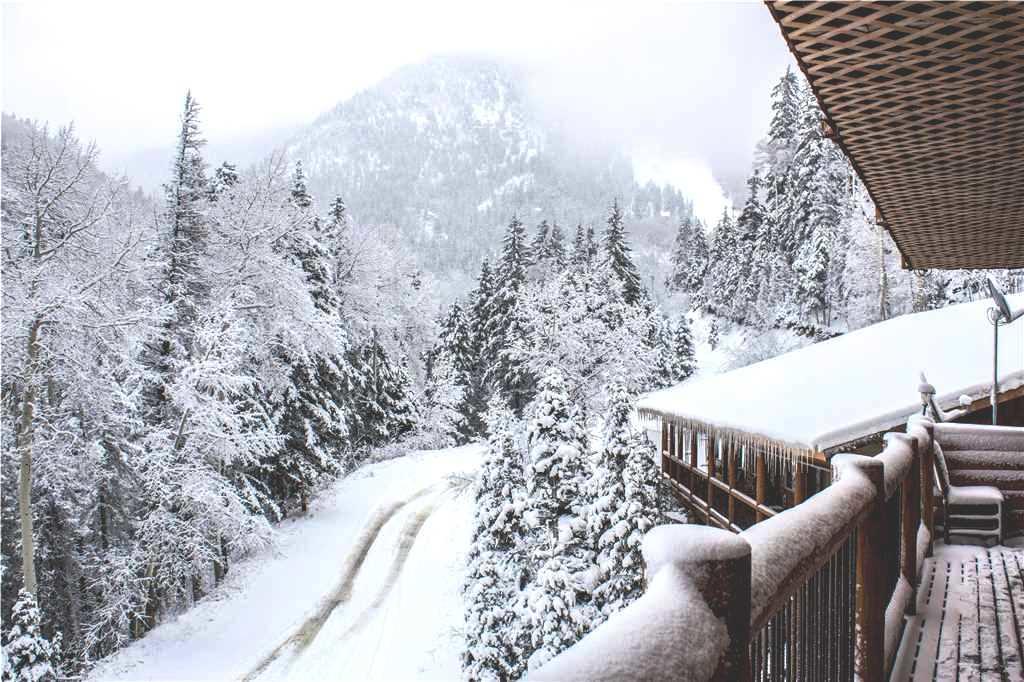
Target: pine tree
681 250
557 452
625 506
505 323
224 178
496 554
617 256
186 207
28 655
698 261
313 411
300 194
552 601
676 354
383 409
477 391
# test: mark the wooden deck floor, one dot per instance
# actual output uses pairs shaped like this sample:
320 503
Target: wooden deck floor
970 615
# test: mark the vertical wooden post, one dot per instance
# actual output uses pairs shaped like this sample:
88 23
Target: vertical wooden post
928 483
910 500
871 600
727 594
673 466
761 482
664 448
693 461
730 463
712 454
799 483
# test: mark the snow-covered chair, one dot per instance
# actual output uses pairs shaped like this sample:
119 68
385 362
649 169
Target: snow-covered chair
973 511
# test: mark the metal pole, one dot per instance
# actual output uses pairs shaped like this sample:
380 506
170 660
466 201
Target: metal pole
995 370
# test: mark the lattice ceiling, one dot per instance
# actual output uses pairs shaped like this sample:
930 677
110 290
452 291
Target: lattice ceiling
927 101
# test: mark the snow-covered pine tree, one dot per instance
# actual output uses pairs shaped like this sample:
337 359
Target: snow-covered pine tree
617 256
548 249
698 261
676 354
496 559
383 408
28 655
680 258
741 304
439 423
820 178
557 445
508 373
224 178
313 411
478 390
625 507
300 193
724 277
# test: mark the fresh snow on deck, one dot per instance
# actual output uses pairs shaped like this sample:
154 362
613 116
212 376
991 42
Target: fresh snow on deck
857 384
968 621
366 586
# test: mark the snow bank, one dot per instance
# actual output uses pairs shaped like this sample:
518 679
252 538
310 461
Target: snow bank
854 385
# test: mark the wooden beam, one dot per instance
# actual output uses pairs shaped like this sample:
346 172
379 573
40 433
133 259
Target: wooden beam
712 444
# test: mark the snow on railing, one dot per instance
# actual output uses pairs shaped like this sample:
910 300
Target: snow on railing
816 591
685 625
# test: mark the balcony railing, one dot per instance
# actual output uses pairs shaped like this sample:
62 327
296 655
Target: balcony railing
816 592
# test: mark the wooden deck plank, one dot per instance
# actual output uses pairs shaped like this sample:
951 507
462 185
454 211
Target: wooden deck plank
970 613
1006 617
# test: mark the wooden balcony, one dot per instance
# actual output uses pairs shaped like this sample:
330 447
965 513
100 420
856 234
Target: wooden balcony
827 589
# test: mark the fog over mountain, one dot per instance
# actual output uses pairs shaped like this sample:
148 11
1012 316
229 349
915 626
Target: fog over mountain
680 87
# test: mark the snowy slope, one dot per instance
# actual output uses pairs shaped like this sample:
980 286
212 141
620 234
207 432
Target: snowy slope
365 587
862 382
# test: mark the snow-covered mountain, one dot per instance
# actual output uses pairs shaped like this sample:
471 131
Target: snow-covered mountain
448 149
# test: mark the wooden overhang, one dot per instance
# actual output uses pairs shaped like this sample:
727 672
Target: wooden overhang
927 101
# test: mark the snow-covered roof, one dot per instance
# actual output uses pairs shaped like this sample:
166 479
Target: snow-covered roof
855 385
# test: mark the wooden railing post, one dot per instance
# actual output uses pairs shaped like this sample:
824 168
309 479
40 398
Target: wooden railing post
727 593
761 483
672 454
910 499
693 461
871 597
927 459
799 483
712 457
730 463
665 463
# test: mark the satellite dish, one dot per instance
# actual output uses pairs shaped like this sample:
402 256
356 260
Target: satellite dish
1002 305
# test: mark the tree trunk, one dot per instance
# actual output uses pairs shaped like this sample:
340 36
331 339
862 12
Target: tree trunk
25 436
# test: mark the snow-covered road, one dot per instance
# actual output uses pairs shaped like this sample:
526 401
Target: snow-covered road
365 587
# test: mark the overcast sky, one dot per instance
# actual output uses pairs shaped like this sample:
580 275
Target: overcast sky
684 86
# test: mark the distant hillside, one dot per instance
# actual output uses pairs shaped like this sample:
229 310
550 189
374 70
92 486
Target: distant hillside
448 149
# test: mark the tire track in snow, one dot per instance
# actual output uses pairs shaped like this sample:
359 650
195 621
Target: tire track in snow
342 592
406 539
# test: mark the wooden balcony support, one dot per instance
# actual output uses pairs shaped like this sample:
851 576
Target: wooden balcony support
910 522
871 599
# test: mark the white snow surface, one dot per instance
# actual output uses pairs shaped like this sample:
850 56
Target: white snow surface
399 529
857 384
